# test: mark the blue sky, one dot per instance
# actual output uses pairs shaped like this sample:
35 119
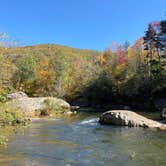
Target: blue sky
91 24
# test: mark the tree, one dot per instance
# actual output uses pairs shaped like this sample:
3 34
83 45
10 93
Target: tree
46 76
126 46
7 73
163 26
26 74
163 40
153 44
121 56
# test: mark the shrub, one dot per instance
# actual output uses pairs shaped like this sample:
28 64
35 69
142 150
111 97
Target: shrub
11 116
51 107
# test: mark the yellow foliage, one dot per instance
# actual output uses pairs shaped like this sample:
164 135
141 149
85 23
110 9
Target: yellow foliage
130 52
106 58
102 59
44 70
118 70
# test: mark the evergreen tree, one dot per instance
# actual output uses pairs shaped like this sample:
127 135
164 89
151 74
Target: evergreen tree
163 40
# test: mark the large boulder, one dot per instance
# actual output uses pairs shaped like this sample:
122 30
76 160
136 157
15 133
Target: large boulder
129 118
30 106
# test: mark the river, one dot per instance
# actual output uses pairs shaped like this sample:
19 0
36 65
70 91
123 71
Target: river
81 141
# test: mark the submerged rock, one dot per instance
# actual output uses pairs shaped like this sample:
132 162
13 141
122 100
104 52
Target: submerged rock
129 118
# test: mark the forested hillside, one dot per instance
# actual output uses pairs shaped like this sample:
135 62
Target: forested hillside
47 70
121 74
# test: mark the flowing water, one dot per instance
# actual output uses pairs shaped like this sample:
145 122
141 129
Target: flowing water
81 141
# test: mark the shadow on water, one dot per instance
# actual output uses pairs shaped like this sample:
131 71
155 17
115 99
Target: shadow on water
81 141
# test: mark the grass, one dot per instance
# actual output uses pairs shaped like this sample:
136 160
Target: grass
10 116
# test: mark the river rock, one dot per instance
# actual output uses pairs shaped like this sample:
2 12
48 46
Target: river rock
75 108
30 105
129 118
16 95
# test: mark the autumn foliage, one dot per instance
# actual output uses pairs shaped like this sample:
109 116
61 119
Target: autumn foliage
122 73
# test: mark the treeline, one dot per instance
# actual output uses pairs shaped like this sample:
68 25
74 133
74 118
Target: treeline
133 75
121 74
47 70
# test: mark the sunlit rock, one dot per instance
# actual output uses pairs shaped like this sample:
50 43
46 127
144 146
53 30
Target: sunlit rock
129 118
